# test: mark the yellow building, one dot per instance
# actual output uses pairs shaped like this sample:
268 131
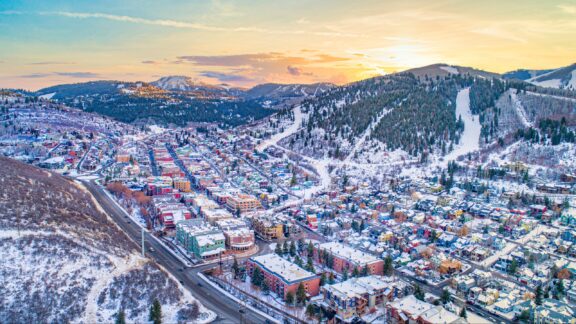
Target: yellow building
182 184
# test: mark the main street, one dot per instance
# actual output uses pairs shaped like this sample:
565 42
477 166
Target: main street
227 309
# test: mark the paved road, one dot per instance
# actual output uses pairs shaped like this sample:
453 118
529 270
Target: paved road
227 309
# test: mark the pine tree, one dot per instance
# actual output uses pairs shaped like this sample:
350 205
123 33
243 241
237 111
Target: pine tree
310 249
345 275
236 268
156 312
538 298
265 288
285 248
290 298
310 310
310 265
365 271
301 294
257 277
445 296
292 249
323 279
120 317
388 266
278 249
418 293
463 313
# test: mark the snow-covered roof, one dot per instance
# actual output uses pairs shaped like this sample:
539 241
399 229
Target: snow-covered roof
284 269
345 252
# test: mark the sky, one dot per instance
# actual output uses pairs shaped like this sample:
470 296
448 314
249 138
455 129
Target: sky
248 42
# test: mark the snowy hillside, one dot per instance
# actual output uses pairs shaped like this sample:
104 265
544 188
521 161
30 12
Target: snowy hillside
63 260
563 78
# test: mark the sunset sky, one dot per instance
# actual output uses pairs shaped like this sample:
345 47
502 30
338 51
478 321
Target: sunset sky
247 42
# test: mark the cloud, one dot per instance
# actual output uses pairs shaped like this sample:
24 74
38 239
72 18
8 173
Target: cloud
189 25
259 59
296 71
225 77
567 9
81 75
35 75
150 62
77 75
50 63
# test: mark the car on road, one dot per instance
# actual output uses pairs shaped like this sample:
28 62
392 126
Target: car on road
151 249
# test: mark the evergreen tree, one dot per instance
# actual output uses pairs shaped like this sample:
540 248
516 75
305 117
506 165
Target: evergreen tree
257 277
323 279
278 249
388 266
365 271
265 288
301 294
355 272
290 298
310 310
538 298
292 249
418 293
310 265
120 317
298 261
310 249
560 287
463 312
445 296
301 245
285 248
155 312
345 275
331 279
236 268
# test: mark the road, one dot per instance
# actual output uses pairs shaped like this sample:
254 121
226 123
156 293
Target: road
227 309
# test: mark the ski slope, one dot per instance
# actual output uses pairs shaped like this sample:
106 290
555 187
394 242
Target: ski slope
470 139
287 132
519 109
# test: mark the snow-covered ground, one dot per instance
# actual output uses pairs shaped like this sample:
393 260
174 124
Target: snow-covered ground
519 109
449 69
287 132
470 139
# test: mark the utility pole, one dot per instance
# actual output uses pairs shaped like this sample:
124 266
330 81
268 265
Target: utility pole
143 254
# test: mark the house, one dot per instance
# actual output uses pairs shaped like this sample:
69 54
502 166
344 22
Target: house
411 310
358 296
554 311
283 276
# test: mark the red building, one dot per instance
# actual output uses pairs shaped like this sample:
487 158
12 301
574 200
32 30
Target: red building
347 258
283 276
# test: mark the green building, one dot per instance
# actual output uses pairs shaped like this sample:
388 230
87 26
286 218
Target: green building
200 238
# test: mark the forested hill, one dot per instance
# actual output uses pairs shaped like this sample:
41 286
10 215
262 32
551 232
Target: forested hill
178 100
415 112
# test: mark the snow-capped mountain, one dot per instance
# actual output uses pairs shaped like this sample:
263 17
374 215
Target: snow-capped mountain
425 114
562 78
